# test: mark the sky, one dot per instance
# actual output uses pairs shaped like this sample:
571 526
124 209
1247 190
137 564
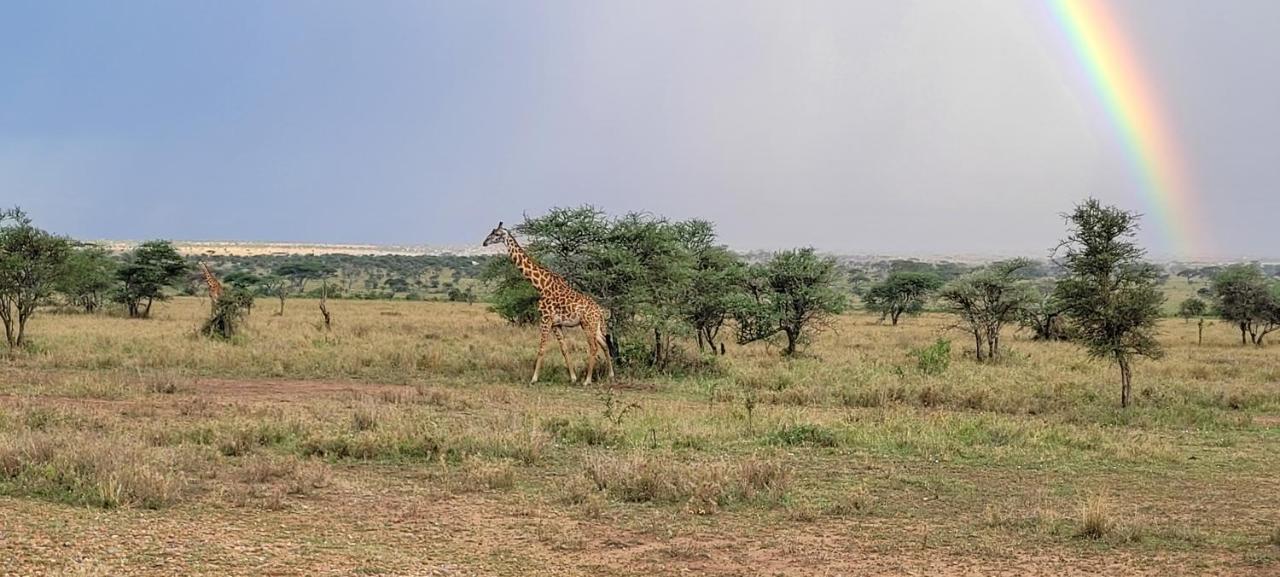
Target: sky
885 127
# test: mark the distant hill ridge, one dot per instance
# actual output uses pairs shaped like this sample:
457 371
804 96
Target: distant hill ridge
249 248
238 248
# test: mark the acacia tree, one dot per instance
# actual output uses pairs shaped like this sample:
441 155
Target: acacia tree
87 277
1194 308
1244 296
276 286
248 284
660 280
1043 314
31 261
715 285
901 293
794 294
986 301
301 271
1109 292
146 272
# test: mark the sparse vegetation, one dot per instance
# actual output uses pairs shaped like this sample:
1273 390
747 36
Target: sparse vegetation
295 420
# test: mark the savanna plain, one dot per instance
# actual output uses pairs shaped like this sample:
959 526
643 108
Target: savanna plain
407 441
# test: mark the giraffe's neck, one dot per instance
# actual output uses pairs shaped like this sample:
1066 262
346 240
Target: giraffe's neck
215 287
540 277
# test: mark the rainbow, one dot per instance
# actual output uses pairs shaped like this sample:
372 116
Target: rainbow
1130 101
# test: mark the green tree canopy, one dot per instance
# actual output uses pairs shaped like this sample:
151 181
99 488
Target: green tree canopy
88 277
901 293
987 300
145 272
1243 295
659 279
794 294
1109 291
1191 308
31 262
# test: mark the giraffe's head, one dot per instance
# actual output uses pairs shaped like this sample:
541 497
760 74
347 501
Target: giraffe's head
498 235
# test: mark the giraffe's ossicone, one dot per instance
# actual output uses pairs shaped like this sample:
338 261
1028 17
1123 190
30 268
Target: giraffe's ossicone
559 306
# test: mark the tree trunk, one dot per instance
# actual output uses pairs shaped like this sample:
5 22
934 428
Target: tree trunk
1243 329
1200 336
894 316
792 337
324 308
8 328
146 314
22 327
700 339
977 345
281 313
1126 380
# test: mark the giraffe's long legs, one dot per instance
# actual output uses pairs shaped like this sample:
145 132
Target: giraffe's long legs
542 348
591 356
573 377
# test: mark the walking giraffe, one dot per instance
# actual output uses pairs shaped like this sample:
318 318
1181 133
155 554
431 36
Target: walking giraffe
559 306
215 287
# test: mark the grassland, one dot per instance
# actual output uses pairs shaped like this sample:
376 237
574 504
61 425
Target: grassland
406 442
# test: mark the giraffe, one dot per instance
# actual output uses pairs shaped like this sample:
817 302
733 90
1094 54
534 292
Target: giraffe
215 287
559 306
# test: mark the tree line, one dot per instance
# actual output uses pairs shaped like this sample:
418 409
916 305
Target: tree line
665 281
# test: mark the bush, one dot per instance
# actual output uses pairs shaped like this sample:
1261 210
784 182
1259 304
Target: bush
228 314
1095 519
808 435
934 359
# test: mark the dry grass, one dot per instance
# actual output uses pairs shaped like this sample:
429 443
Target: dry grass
408 413
704 486
1097 520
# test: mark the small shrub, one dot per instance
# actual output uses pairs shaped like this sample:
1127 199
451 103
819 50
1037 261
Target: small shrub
582 432
704 487
228 314
857 502
364 418
803 434
1096 520
265 469
243 439
481 474
166 383
934 359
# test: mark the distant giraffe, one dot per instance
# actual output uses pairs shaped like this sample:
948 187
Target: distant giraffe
215 287
559 305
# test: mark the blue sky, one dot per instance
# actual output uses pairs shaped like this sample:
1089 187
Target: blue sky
898 127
